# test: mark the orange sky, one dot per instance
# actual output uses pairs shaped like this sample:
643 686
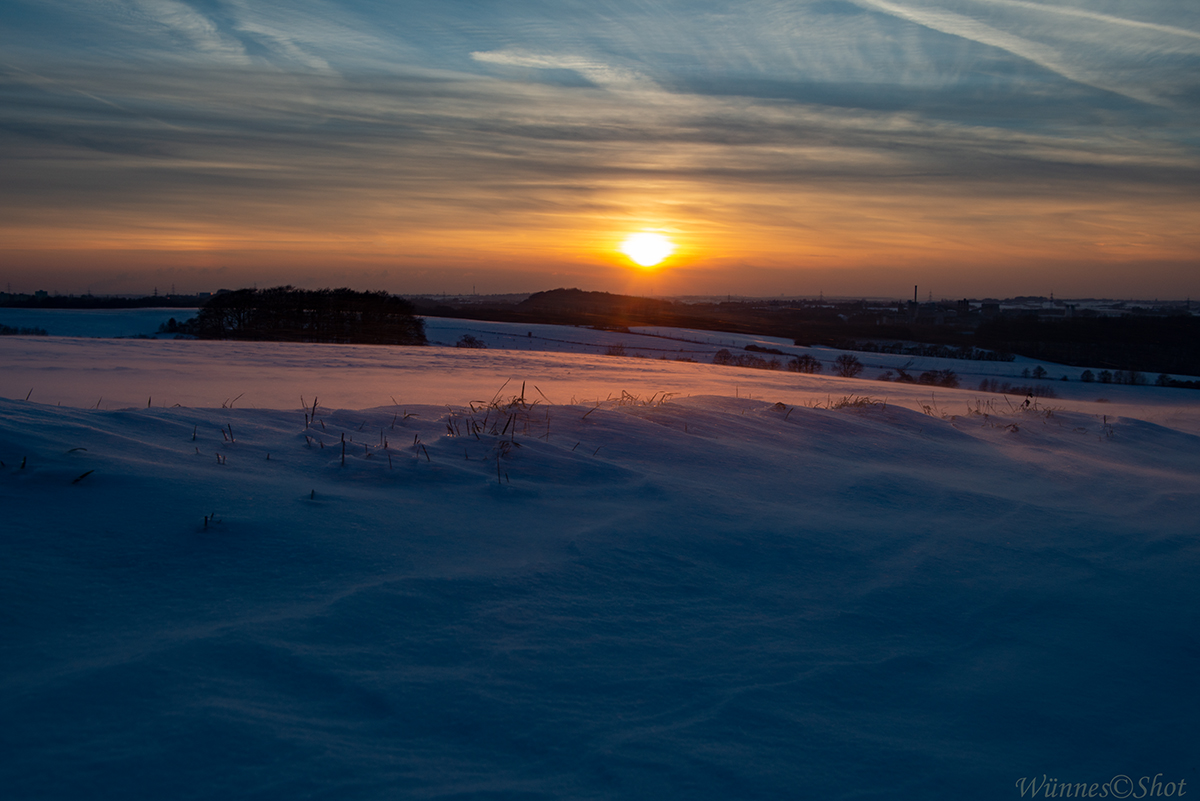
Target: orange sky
791 242
1023 154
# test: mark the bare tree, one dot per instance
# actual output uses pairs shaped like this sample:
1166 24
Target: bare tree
469 341
804 364
847 366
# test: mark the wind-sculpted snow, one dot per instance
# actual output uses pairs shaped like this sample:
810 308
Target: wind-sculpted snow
706 597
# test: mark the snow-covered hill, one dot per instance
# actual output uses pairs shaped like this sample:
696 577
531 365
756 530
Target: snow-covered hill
762 585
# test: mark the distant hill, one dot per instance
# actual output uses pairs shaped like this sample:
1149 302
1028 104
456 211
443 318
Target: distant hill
578 301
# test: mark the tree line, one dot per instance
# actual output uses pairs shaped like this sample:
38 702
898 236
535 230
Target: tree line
287 314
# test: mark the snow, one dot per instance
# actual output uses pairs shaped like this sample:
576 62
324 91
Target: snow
93 322
672 343
744 591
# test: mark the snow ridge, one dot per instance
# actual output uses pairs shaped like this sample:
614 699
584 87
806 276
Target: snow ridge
711 596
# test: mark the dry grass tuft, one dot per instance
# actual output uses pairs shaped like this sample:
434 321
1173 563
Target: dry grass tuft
848 402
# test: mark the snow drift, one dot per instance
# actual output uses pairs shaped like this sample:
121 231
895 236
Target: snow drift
813 592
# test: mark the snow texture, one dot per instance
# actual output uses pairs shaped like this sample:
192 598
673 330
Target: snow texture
782 586
94 322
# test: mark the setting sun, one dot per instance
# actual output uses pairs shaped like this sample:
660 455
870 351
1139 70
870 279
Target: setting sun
647 249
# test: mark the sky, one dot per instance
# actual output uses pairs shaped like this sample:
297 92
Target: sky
852 147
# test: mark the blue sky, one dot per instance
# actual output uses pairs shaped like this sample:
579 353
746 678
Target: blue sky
859 147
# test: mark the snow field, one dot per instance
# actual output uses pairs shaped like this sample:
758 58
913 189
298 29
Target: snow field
713 597
652 342
93 322
113 374
658 342
647 579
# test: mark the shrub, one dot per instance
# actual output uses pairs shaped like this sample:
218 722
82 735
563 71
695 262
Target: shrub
13 331
1087 376
724 356
939 378
1131 377
804 364
468 341
615 350
847 366
1036 390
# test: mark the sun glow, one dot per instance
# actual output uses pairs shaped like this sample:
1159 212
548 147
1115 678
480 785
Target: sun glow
647 249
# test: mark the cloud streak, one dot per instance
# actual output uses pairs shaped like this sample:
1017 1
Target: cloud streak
1082 13
182 21
597 72
973 30
827 128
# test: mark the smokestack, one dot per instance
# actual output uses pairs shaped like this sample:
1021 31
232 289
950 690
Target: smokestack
914 293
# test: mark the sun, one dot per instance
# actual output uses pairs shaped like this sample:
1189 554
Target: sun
647 249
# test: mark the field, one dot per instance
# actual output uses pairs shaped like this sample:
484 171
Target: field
257 570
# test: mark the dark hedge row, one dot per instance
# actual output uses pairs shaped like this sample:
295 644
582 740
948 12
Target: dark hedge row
296 315
1148 344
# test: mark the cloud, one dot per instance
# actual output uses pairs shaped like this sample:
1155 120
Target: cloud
1095 53
967 28
596 72
332 127
184 22
1082 13
453 140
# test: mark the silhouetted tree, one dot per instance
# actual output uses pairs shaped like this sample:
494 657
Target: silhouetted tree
726 357
295 315
847 366
939 378
804 364
469 341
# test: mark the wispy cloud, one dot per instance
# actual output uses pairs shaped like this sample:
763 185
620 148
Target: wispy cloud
1095 16
184 22
362 126
597 72
973 30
